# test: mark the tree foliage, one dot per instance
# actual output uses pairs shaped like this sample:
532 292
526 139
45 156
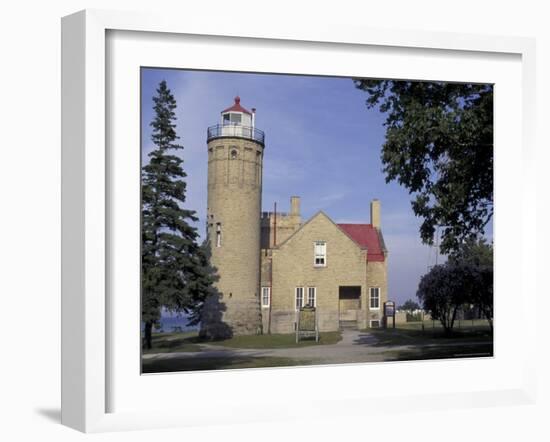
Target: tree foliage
465 279
410 306
475 251
175 274
202 284
443 290
439 145
478 254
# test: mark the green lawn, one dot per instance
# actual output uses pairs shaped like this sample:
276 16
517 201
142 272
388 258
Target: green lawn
462 325
174 342
190 341
417 336
462 350
217 363
432 343
405 343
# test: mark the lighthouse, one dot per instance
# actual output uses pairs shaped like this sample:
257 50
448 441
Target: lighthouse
235 155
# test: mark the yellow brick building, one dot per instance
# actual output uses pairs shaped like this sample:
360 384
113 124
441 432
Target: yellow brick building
272 264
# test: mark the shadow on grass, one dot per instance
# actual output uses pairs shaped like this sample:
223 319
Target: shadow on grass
229 360
396 337
174 342
191 342
408 345
480 350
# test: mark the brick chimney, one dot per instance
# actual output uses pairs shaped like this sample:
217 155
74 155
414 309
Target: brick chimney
295 205
375 213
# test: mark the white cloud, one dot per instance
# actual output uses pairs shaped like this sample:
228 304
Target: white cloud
328 199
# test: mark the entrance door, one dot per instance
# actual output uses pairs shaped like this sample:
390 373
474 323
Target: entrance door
349 305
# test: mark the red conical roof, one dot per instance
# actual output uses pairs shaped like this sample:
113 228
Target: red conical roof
237 107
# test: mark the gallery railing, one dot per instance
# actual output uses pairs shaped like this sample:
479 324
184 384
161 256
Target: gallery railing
235 130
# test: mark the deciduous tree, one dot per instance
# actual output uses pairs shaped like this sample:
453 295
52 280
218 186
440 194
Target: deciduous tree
439 146
444 289
478 254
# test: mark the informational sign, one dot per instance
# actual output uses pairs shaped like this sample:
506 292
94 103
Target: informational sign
389 308
389 312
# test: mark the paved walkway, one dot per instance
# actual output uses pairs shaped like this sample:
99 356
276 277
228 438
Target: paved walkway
355 346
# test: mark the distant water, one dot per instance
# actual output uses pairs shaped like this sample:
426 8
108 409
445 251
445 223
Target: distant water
173 322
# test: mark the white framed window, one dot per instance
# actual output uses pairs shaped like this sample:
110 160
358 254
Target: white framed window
218 234
232 118
266 296
312 296
375 323
299 298
319 253
374 298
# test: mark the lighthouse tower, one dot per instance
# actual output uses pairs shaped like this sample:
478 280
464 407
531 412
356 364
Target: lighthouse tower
235 153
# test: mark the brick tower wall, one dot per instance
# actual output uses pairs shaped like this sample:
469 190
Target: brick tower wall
234 203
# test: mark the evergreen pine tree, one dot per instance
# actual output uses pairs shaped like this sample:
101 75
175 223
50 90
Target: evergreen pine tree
202 283
175 271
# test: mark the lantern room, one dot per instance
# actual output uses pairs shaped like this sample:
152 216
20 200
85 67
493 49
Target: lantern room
236 121
237 115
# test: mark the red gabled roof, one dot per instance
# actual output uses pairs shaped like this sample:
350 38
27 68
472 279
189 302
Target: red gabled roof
237 107
367 237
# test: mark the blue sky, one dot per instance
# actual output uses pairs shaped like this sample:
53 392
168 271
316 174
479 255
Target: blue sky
322 144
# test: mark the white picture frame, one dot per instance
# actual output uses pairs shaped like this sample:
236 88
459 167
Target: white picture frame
85 216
